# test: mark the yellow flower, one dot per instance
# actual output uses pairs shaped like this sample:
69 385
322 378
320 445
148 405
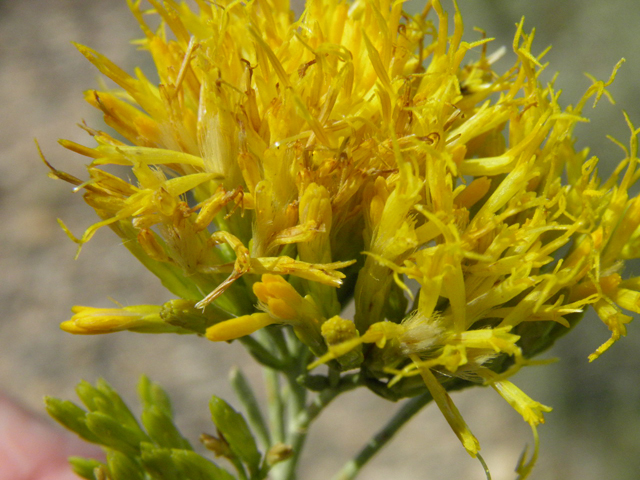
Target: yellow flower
89 320
357 152
282 304
175 316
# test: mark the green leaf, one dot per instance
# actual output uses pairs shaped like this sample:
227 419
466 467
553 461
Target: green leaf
104 399
236 432
162 430
70 416
195 467
83 467
120 410
261 354
158 463
250 403
122 467
151 393
157 416
131 453
87 393
114 434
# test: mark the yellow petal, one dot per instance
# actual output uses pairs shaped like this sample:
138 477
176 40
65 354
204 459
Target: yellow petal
239 327
448 409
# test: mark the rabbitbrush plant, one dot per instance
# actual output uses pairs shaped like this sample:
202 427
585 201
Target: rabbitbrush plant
285 166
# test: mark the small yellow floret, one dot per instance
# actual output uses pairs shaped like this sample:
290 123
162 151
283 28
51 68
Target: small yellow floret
239 327
90 320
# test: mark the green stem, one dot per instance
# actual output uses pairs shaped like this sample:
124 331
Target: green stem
295 434
408 410
306 415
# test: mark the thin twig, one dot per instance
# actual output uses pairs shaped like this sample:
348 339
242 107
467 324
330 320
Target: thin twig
306 415
408 410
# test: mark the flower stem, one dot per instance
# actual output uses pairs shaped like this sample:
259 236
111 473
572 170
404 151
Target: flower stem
351 469
296 433
306 414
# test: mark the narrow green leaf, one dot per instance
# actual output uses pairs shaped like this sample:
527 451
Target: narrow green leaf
162 430
158 463
236 432
195 467
261 354
115 435
115 407
250 403
83 467
157 416
122 467
87 393
104 399
70 416
152 394
275 405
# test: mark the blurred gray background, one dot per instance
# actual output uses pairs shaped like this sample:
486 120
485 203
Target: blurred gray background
594 430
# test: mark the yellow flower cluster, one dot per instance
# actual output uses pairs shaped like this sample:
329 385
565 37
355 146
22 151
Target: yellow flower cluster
284 166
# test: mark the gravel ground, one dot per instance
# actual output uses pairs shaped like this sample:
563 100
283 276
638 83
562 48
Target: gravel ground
594 431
